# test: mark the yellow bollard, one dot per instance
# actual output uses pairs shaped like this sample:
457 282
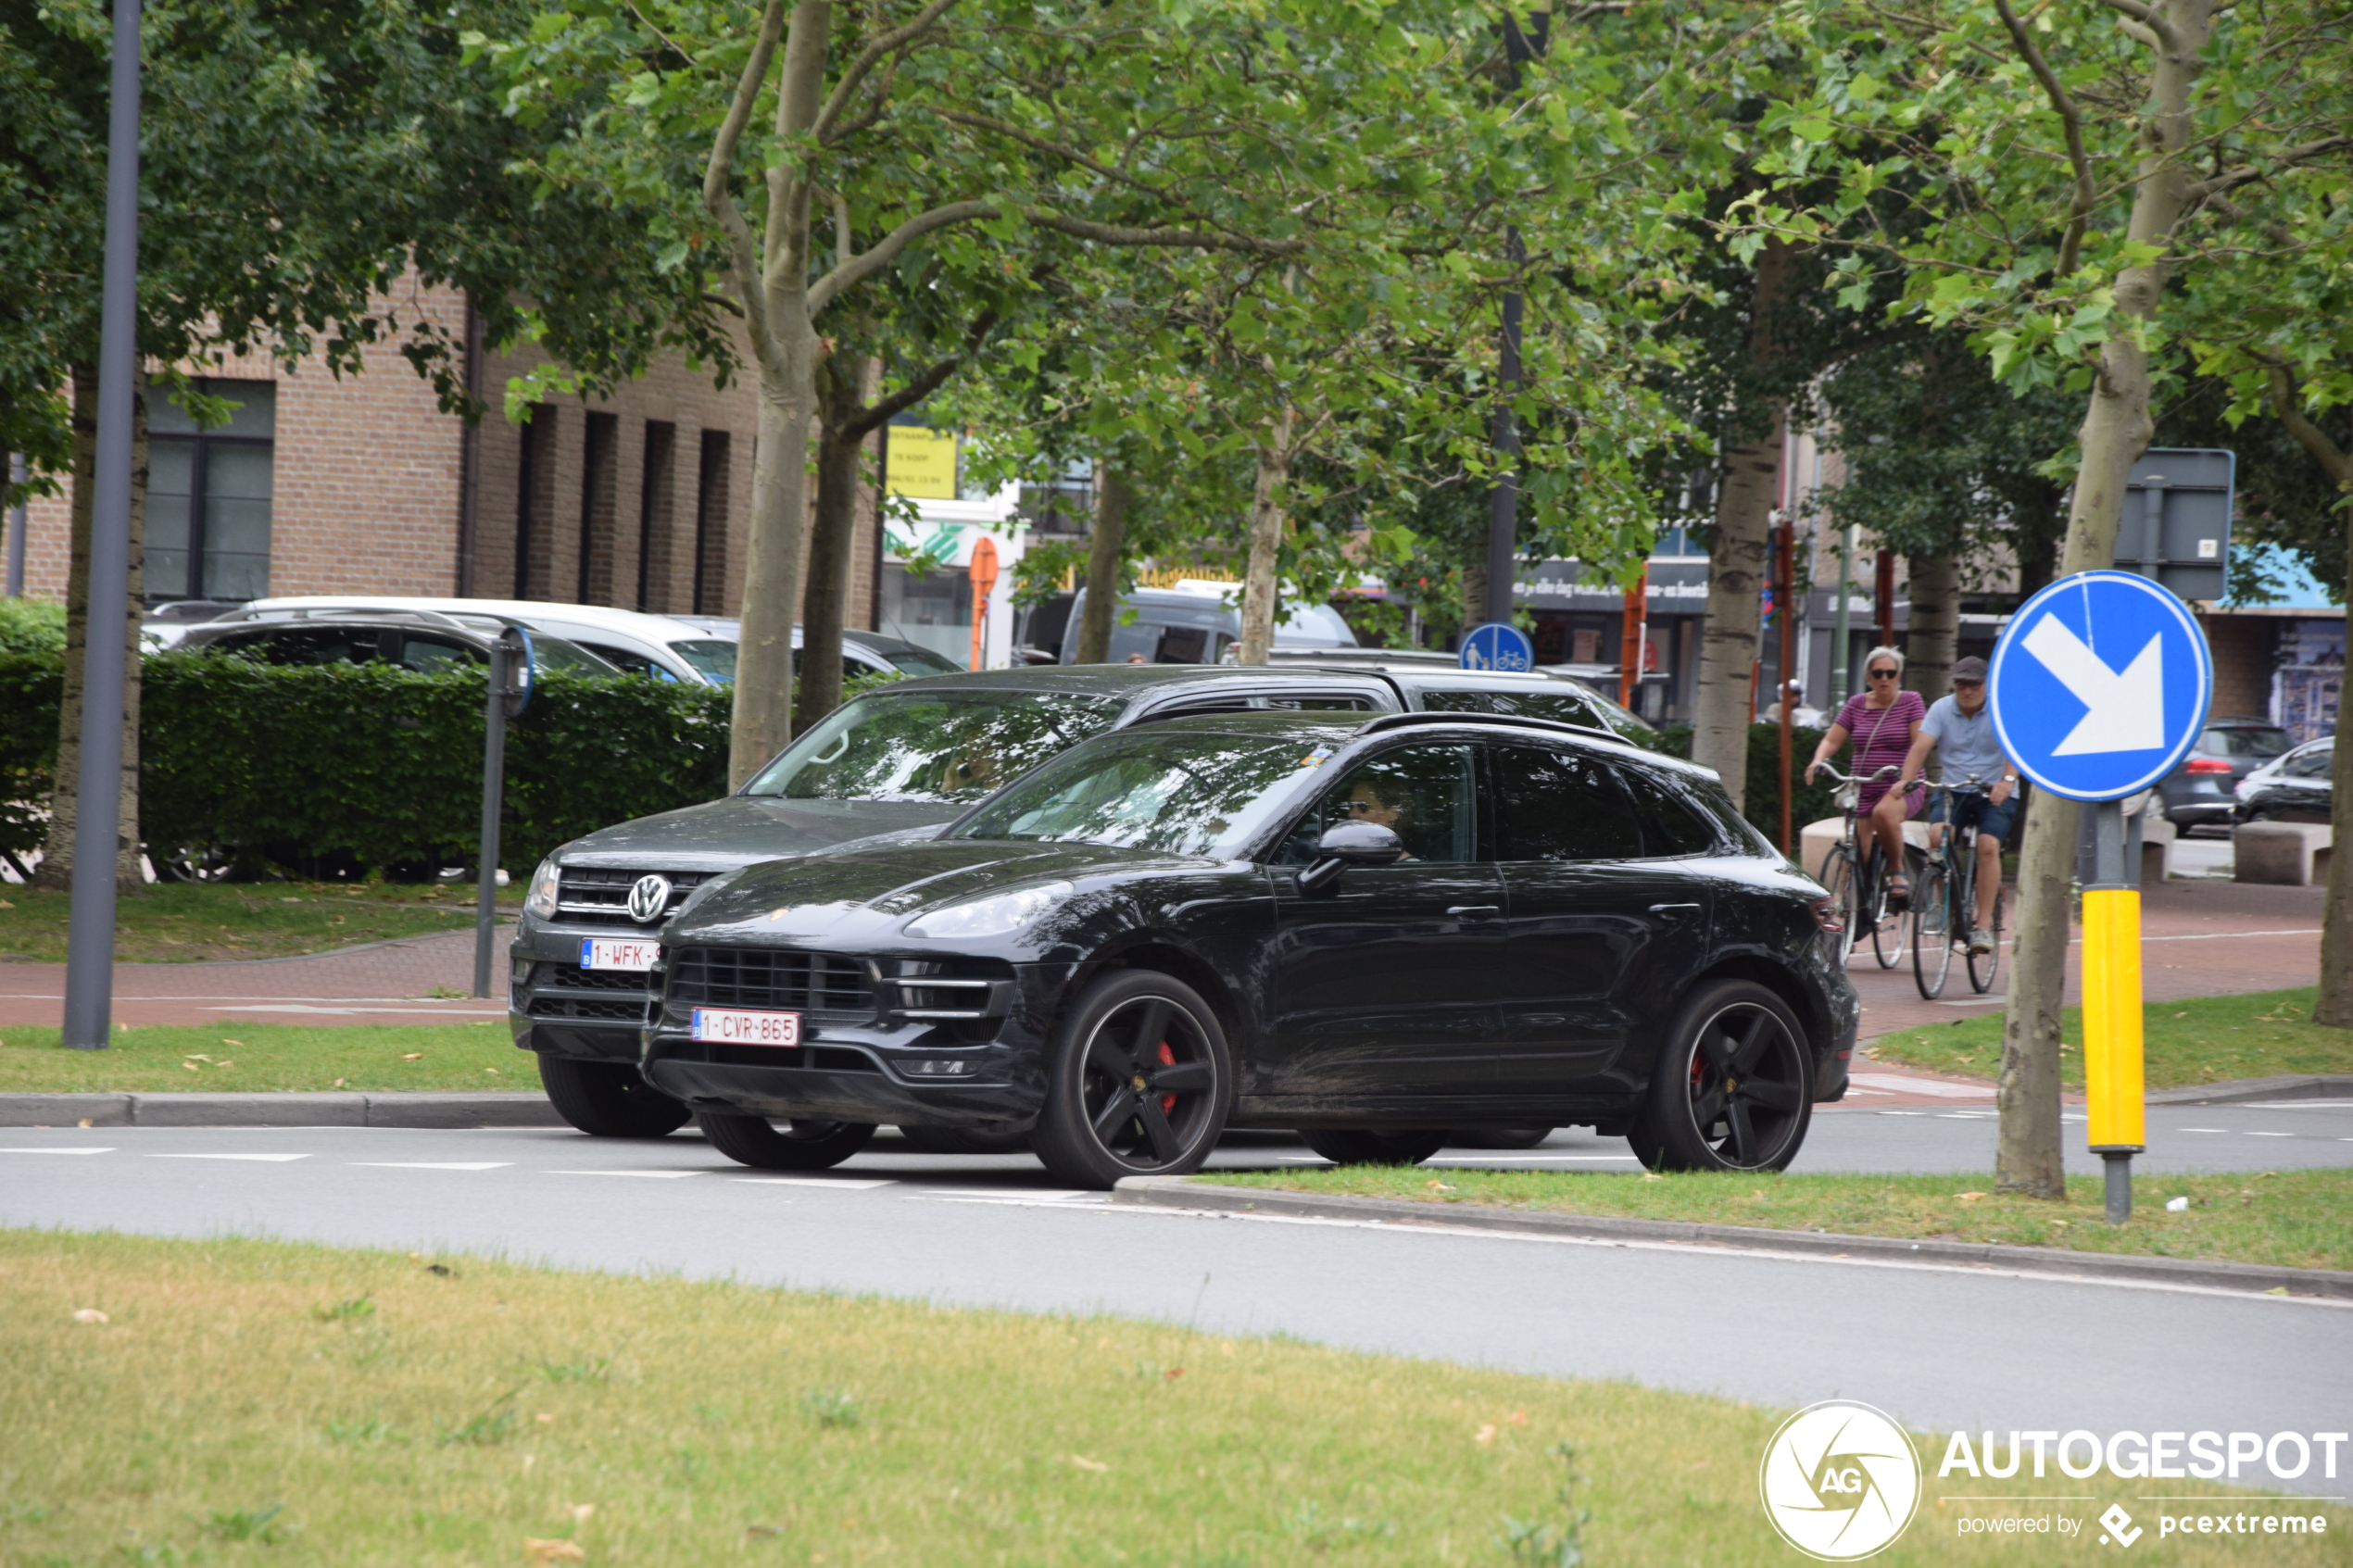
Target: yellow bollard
2114 1111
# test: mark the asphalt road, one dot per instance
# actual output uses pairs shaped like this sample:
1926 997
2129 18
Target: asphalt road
1939 1347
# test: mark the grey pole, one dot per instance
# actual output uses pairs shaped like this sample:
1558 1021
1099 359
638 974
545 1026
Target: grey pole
1840 654
15 529
98 791
1503 503
494 795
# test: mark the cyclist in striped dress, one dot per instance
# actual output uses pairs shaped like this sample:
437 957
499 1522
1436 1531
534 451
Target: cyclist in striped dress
1883 720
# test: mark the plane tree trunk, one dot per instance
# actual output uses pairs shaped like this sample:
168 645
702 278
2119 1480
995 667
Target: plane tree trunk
1106 548
1260 588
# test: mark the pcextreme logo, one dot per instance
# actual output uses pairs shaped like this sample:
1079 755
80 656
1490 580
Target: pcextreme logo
1839 1481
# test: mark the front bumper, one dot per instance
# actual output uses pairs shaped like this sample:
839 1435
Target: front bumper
555 1007
887 1067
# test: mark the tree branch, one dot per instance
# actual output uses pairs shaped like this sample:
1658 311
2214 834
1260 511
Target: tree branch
923 386
2080 210
2248 173
1043 144
719 174
852 270
1196 239
2150 17
2312 437
837 102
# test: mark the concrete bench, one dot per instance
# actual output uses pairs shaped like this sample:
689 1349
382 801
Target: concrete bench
2156 848
1815 839
2282 853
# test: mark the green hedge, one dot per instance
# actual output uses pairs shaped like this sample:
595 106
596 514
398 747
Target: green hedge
1762 804
372 767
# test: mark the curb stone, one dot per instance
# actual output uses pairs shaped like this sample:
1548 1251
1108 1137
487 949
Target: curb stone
413 1108
2238 1091
1183 1192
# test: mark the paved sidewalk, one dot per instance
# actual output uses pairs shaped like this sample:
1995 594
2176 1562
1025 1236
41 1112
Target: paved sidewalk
415 980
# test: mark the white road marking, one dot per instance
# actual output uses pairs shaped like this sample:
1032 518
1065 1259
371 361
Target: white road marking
657 1175
55 1151
2201 1129
272 1159
2244 1133
436 1164
843 1184
2298 1104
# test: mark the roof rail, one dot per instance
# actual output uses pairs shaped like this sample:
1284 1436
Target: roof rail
332 612
1518 721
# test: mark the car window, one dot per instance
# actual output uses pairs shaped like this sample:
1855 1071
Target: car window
1188 794
1671 824
307 644
1558 805
2314 764
1423 793
421 650
714 657
629 662
555 653
1565 707
1324 702
2250 741
930 746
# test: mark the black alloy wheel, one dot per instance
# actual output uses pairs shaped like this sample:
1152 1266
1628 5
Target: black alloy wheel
1141 1083
607 1099
788 1146
1733 1089
963 1140
1361 1146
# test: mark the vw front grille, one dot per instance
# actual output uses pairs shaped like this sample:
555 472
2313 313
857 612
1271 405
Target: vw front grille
599 895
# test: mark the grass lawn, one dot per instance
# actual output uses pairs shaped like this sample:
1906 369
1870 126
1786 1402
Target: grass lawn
249 1402
2295 1219
229 1058
182 921
2203 1040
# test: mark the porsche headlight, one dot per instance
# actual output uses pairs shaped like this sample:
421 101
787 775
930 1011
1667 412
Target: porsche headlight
541 899
993 916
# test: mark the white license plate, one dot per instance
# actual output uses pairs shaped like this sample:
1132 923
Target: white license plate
736 1026
610 952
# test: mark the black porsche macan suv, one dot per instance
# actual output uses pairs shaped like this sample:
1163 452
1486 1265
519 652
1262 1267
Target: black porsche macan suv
914 755
1370 930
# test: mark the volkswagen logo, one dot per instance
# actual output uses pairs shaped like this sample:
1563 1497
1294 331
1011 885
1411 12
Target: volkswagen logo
649 896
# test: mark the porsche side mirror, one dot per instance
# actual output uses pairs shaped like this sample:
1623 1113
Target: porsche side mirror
1345 845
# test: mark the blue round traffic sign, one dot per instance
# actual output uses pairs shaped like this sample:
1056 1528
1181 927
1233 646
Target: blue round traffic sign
2100 685
1498 646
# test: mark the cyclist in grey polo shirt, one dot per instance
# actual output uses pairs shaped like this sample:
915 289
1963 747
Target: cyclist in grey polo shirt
1960 729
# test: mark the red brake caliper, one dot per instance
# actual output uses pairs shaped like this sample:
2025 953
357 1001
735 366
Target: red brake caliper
1167 1059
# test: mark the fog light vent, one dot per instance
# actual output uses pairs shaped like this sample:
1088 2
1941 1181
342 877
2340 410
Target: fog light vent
938 1067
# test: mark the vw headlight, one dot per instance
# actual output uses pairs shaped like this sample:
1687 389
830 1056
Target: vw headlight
992 916
541 899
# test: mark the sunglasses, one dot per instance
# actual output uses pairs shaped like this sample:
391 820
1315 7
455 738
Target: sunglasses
1881 674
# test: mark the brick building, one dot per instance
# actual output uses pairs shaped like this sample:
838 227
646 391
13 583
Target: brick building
361 485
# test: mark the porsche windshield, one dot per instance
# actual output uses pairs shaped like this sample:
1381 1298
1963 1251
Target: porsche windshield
1183 794
946 746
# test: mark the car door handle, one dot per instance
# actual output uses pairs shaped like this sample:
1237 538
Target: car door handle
1475 911
1670 908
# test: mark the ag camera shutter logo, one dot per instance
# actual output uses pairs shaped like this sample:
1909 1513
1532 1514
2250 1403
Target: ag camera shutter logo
1839 1481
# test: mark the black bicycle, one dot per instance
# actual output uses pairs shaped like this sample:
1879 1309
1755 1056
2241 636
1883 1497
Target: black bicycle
1854 872
1944 905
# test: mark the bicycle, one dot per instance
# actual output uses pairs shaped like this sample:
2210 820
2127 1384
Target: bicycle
1857 879
1944 904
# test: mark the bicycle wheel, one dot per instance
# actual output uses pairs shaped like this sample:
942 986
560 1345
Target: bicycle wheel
1887 925
1845 888
1931 930
1984 967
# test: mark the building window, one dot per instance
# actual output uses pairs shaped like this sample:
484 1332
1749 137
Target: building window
654 516
207 523
711 524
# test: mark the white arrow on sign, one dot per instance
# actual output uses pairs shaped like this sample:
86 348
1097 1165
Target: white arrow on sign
2127 709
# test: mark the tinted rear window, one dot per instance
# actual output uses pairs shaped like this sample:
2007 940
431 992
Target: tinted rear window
2250 742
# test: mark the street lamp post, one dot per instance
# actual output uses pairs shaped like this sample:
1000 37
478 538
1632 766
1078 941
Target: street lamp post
105 656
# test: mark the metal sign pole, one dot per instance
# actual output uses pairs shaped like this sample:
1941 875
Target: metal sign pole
98 836
505 698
